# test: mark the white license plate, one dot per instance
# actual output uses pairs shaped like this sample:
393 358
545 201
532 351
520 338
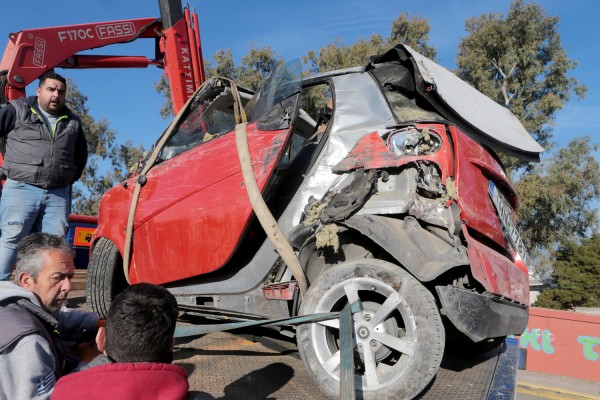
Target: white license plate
505 214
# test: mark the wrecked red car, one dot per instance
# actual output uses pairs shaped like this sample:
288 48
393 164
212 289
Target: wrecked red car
390 192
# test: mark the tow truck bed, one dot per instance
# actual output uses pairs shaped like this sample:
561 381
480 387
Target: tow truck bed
491 375
225 362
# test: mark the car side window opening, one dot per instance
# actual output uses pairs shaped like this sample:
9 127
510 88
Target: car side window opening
308 131
316 110
209 116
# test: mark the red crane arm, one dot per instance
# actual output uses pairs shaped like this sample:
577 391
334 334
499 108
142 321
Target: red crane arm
30 53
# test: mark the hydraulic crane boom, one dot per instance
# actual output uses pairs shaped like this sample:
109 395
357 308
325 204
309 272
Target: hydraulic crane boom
30 53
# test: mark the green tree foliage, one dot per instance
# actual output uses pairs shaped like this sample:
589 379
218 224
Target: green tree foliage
224 65
256 65
95 181
99 137
518 60
103 150
162 86
413 32
259 62
577 276
557 198
337 55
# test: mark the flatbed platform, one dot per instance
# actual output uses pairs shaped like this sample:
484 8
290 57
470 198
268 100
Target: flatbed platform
231 365
243 366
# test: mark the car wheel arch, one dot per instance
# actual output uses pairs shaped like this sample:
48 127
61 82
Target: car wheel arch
420 252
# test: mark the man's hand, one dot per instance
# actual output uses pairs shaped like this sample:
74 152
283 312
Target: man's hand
78 355
85 352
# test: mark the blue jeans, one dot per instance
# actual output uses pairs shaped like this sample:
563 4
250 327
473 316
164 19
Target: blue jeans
24 209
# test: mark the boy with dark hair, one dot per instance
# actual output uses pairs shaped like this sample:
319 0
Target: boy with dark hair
138 350
147 313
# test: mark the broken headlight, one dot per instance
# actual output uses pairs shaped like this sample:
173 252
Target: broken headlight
413 142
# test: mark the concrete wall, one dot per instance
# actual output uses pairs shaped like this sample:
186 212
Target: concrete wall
563 343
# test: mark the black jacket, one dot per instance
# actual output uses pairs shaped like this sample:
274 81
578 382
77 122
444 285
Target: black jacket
36 155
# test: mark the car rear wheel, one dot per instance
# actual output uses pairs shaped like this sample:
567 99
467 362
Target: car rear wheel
399 336
105 278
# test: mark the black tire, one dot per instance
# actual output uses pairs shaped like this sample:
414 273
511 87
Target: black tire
104 278
411 326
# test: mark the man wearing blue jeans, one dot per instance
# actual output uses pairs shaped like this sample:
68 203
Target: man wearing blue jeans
46 152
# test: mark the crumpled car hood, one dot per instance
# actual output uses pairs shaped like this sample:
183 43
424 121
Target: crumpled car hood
465 106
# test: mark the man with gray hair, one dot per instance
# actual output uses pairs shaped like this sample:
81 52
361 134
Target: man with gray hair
34 321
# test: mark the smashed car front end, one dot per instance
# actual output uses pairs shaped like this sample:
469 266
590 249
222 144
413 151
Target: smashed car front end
422 184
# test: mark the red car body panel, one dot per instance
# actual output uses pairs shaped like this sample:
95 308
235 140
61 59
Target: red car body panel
475 167
198 194
472 183
371 152
498 274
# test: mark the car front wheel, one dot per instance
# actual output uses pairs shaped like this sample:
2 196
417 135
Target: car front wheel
398 335
104 277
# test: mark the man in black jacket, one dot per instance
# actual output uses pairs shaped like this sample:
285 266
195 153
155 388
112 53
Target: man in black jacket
46 152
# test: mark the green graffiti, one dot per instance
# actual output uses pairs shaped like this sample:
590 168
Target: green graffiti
530 339
547 338
588 343
537 340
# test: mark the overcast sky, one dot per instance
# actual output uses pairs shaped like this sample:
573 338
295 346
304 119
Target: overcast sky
127 99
